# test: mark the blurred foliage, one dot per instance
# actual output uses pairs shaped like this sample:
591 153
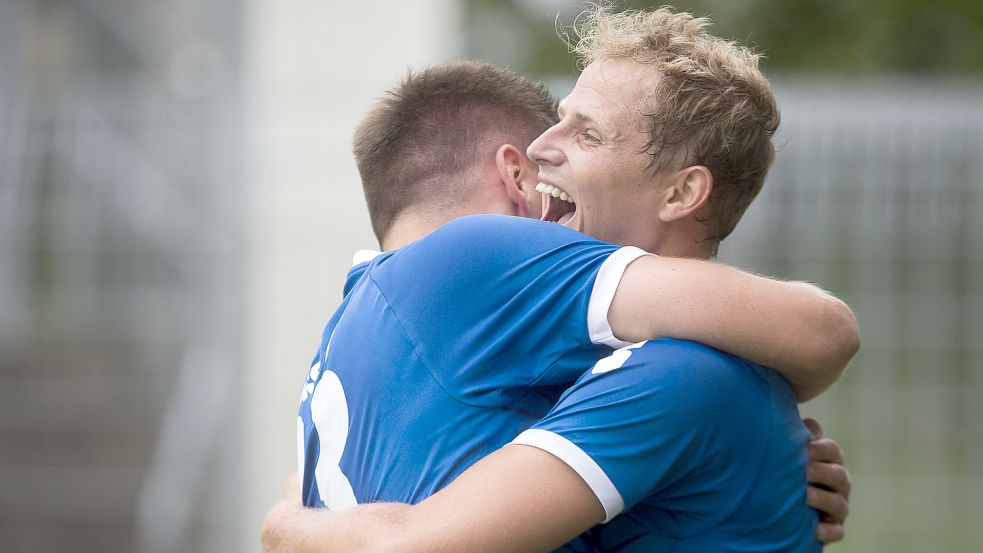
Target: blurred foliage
841 36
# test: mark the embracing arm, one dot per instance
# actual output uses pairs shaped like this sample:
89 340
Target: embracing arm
793 327
518 499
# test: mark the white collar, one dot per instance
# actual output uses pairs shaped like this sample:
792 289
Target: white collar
364 256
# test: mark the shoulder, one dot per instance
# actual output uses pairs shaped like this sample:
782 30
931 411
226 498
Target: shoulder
354 276
676 377
702 378
483 244
484 228
503 234
670 354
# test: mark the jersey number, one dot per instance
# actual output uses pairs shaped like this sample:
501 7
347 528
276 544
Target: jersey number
329 413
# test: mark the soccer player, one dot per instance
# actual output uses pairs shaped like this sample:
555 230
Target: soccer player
526 307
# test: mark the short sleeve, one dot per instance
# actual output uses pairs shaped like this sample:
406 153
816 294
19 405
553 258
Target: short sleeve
645 420
497 303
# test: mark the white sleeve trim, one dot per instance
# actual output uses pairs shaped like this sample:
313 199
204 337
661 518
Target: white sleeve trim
361 256
579 461
605 285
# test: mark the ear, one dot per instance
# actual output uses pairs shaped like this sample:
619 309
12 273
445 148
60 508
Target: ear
512 170
688 192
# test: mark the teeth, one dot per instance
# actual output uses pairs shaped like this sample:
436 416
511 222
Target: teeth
554 191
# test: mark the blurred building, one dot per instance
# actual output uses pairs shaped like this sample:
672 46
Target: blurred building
178 206
121 286
177 210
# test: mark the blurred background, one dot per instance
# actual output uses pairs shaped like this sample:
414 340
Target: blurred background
178 207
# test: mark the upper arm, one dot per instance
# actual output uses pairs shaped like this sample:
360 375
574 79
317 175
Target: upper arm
794 328
518 499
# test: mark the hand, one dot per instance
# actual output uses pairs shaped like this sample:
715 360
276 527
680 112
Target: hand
275 527
829 492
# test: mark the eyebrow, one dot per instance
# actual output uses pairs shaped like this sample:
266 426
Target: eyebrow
610 130
580 117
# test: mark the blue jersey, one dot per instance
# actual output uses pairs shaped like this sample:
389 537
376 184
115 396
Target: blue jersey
444 350
700 450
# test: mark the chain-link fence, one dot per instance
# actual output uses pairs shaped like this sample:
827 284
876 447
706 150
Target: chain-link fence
877 195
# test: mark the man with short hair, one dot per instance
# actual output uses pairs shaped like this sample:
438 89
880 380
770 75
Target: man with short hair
633 180
427 149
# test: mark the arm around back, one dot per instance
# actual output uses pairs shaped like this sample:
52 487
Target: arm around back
518 499
793 327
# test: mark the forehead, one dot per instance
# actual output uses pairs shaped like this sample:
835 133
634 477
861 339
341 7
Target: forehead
611 91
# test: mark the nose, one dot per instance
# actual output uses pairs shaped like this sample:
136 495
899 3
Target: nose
545 149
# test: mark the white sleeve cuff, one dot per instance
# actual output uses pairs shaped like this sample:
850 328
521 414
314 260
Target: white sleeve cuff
581 463
605 285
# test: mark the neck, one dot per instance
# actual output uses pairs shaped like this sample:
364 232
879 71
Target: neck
414 224
676 241
688 248
410 228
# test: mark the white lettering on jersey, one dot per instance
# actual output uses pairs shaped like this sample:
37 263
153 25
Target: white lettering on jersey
616 360
301 461
329 412
308 388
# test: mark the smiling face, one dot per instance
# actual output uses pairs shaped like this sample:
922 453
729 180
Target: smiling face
596 157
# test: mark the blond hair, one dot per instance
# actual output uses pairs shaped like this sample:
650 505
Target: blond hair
711 106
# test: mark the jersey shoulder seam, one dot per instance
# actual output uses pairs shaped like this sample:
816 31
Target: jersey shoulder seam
416 348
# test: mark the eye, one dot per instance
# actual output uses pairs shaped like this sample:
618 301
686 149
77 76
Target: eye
590 136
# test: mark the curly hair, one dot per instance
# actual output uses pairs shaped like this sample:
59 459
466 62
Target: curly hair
711 105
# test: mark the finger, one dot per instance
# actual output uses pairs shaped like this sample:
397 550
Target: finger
291 492
825 450
829 533
830 476
834 505
814 427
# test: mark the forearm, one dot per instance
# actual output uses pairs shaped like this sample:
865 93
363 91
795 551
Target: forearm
519 499
292 528
796 328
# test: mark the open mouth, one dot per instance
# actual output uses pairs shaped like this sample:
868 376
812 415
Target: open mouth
558 206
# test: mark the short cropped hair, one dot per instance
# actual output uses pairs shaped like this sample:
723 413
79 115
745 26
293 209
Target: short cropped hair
711 106
423 143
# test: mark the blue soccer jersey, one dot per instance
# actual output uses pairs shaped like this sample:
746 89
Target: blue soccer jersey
444 350
700 451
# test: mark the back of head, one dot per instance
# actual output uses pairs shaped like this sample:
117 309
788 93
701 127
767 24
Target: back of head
711 106
422 145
